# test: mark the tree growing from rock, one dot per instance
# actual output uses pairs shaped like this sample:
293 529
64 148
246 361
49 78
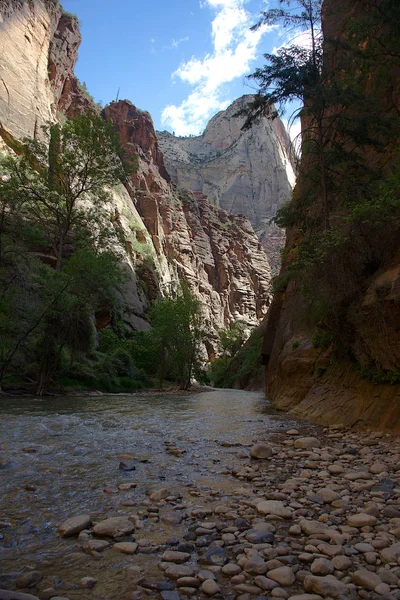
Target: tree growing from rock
54 202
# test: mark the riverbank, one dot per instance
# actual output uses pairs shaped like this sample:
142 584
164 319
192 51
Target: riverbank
193 512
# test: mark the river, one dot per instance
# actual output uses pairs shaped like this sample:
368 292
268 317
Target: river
204 515
58 455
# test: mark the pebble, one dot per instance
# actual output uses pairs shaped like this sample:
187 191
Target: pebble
366 579
274 507
361 520
159 494
9 595
88 582
178 571
210 587
325 586
322 566
126 547
175 557
28 579
320 519
307 442
282 575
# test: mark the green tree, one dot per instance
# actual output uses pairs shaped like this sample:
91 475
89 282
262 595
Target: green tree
233 338
176 336
61 182
54 204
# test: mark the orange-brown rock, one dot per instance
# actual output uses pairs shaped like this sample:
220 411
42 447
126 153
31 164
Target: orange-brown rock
310 381
217 254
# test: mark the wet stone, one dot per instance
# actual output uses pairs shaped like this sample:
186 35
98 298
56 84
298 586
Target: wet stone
260 451
361 520
88 583
191 582
259 536
178 571
28 580
307 442
175 557
366 579
210 587
214 556
114 527
9 595
282 575
170 595
74 525
157 586
126 547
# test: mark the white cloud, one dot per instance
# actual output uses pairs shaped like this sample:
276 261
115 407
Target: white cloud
302 39
234 47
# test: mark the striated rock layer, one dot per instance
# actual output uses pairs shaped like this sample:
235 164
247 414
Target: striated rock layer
168 235
248 172
218 254
309 381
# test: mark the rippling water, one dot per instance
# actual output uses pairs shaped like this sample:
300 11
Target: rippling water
68 449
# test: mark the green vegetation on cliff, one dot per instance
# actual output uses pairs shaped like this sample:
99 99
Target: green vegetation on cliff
344 219
58 265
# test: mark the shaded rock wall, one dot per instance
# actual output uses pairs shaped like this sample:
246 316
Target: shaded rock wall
309 381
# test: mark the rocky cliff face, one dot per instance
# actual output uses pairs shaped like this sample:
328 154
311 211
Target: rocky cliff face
315 382
218 254
169 235
38 49
246 172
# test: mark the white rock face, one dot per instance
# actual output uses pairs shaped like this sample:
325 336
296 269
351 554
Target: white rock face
248 172
26 100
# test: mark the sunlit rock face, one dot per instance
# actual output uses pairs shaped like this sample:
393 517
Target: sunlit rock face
218 254
249 172
166 235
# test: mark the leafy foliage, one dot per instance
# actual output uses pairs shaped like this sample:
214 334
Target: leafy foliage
345 214
57 263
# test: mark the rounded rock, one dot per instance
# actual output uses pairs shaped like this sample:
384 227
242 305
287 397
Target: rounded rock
210 587
260 451
282 575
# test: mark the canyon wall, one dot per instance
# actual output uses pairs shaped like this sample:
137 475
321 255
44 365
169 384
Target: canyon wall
314 380
169 234
250 172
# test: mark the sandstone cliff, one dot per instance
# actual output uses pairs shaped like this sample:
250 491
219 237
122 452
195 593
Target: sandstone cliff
248 172
312 379
168 235
218 254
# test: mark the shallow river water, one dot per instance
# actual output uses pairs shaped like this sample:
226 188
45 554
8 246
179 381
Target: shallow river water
59 457
204 513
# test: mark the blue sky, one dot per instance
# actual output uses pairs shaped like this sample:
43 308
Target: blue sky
182 60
